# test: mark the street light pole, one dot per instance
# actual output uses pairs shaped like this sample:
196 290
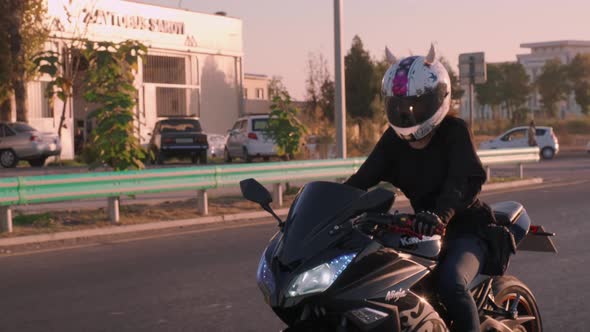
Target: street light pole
340 95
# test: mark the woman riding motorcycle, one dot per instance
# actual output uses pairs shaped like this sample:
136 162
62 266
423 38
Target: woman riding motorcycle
429 155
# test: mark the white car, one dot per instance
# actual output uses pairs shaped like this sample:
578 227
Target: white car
518 138
247 139
216 144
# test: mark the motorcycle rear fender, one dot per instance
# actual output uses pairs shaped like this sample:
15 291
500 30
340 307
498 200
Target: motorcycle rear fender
530 237
537 240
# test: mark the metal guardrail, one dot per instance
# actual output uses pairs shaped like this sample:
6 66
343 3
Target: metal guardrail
112 185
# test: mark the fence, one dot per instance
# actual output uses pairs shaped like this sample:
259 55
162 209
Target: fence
112 185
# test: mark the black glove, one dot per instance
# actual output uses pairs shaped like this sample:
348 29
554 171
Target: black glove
426 223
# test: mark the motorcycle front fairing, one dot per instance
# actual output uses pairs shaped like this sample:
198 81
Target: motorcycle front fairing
372 291
307 239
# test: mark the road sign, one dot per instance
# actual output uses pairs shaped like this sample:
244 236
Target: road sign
472 68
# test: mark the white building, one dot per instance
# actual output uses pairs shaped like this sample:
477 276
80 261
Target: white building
194 65
533 62
256 96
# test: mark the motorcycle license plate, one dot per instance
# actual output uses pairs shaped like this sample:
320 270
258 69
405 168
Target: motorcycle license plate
52 147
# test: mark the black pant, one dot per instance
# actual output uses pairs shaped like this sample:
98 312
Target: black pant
461 264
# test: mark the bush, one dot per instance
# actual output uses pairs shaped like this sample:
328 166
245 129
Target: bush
578 126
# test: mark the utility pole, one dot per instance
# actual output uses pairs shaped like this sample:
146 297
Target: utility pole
472 70
340 95
471 83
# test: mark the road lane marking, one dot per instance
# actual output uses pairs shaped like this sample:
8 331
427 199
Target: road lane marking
171 233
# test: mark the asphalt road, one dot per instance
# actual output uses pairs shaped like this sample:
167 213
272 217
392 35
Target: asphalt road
205 280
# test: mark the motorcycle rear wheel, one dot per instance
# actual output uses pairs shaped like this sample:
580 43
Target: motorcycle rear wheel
506 289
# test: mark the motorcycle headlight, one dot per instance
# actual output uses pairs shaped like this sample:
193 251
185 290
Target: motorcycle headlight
264 276
320 277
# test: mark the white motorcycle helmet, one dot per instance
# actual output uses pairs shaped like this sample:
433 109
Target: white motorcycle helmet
417 95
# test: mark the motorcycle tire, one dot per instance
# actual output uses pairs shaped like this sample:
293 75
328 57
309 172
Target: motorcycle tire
505 290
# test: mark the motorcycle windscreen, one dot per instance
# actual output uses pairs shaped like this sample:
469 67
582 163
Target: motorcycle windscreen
319 206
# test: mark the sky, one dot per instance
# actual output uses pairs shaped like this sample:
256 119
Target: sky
280 35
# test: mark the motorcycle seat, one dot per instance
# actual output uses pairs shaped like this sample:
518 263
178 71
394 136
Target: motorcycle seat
506 212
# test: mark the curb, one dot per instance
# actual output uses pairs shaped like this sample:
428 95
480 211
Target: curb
161 225
115 230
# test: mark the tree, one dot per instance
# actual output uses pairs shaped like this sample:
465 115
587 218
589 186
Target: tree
23 34
552 85
110 84
515 87
284 127
276 87
456 91
489 93
326 99
319 87
5 74
379 69
508 85
68 61
360 87
578 73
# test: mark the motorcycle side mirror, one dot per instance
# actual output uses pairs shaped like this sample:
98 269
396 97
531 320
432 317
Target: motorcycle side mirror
253 191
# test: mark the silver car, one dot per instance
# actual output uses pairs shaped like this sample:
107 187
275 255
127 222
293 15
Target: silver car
216 144
518 138
247 139
19 141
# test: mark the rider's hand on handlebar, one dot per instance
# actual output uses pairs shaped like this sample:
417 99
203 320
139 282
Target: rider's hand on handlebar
427 223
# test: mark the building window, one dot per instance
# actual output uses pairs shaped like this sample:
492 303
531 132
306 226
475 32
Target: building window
170 101
164 69
245 93
38 103
46 109
259 93
175 97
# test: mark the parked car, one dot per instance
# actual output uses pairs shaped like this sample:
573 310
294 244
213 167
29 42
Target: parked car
216 144
247 139
179 137
318 150
20 141
518 138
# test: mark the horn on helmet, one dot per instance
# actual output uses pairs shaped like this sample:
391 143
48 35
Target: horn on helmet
389 56
431 57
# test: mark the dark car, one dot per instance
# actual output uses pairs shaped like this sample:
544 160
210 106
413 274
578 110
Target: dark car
179 138
19 141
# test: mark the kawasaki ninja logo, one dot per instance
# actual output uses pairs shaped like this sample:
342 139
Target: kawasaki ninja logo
394 295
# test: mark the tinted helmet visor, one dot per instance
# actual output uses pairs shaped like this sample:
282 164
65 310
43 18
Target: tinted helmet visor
409 111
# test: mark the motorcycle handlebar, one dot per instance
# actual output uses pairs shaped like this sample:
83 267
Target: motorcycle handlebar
398 222
385 219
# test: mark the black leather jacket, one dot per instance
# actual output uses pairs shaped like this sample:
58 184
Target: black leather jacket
445 177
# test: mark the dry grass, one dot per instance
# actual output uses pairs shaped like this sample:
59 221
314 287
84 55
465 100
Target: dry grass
71 220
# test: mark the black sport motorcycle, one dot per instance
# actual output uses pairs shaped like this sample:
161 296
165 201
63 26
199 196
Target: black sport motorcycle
340 262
